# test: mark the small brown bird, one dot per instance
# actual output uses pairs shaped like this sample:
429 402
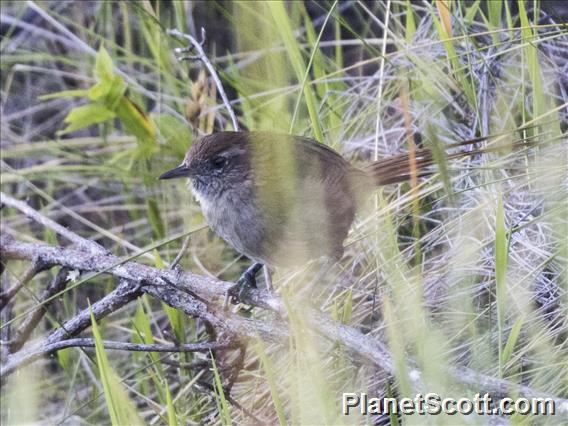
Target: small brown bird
282 200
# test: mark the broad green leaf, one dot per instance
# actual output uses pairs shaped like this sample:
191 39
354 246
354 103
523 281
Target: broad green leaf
117 89
86 115
98 91
109 92
137 123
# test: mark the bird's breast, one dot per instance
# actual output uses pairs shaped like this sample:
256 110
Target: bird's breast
234 218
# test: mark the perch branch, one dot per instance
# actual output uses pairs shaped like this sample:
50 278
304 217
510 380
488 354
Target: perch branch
185 284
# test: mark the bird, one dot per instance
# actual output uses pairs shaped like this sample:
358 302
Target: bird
282 200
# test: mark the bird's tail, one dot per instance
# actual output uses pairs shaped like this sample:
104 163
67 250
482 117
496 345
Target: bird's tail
403 167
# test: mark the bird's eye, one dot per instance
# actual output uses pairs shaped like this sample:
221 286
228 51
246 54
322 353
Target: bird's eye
218 162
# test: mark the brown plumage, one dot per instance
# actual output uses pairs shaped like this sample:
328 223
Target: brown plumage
282 199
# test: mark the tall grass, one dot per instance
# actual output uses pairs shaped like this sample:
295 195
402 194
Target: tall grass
466 268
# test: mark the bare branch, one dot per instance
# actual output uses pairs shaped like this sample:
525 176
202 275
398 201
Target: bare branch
30 356
113 301
134 347
23 333
206 288
209 291
182 251
48 223
32 271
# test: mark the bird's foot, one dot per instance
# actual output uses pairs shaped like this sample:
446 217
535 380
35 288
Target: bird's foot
246 282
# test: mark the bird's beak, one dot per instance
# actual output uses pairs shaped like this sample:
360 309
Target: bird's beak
179 171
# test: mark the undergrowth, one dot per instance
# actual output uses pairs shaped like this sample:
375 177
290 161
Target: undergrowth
463 269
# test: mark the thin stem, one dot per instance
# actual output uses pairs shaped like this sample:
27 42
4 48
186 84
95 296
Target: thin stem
198 46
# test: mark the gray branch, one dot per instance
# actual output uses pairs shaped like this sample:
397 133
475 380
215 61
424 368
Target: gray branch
200 296
36 216
30 356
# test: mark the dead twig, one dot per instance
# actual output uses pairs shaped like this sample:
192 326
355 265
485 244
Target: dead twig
34 269
198 47
48 223
113 301
23 333
135 347
213 291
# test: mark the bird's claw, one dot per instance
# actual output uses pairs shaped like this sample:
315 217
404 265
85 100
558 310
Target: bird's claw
246 282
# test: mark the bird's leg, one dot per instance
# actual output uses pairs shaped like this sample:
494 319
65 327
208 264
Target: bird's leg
248 278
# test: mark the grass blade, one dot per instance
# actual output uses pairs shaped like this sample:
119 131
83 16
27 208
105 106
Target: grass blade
120 408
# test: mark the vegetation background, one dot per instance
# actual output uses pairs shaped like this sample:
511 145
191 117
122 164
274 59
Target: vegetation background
462 271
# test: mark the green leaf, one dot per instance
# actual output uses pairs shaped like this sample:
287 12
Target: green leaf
116 91
272 382
138 124
511 341
501 259
472 11
98 91
532 62
64 358
176 319
86 115
103 65
410 22
494 10
223 406
143 334
283 24
172 418
65 94
109 92
120 408
335 311
158 261
347 307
